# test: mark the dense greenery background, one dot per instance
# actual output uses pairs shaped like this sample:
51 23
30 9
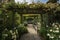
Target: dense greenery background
12 28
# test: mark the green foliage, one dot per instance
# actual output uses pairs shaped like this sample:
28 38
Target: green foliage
53 1
9 18
22 30
9 29
22 8
14 33
9 34
50 32
43 32
54 32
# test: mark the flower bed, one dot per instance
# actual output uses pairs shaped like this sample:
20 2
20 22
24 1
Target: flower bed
13 34
50 33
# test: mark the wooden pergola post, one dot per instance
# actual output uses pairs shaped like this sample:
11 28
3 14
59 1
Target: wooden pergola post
41 20
21 15
13 19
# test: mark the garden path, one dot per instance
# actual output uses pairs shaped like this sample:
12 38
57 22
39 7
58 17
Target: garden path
32 35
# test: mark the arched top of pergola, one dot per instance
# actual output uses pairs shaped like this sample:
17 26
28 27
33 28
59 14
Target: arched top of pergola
37 8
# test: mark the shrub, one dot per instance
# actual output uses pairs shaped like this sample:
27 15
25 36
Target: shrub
42 33
13 34
22 30
54 32
9 34
50 33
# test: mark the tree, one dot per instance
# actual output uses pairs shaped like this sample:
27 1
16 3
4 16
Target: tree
52 1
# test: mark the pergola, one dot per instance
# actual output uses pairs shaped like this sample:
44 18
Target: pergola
48 14
45 10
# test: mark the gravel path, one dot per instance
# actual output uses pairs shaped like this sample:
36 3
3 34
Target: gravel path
32 35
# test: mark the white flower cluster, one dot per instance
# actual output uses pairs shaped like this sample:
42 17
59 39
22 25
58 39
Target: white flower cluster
5 35
53 32
14 34
50 36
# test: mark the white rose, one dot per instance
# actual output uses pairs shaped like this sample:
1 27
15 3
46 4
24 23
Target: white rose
55 25
14 36
57 28
51 30
11 31
48 34
51 37
5 35
57 31
47 26
59 36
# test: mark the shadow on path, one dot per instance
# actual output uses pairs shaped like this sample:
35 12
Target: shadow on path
32 35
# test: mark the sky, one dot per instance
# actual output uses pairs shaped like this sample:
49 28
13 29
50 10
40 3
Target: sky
43 1
30 1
